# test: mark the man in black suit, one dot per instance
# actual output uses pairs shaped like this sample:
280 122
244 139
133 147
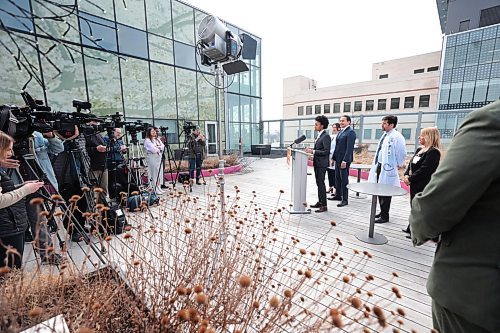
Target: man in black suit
321 154
342 157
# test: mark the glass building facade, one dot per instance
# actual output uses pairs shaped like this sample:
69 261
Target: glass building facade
139 60
470 74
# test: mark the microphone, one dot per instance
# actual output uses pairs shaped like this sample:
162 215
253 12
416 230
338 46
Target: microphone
299 140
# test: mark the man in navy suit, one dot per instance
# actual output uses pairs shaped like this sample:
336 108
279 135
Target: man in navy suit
342 156
321 155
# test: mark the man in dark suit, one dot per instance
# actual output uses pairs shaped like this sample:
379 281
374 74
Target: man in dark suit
342 157
461 205
321 154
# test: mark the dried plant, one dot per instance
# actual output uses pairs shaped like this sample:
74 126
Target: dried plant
187 266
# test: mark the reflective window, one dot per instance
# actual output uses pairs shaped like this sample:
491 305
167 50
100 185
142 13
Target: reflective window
233 107
184 55
132 41
336 107
409 101
424 101
69 84
378 133
206 97
136 89
300 111
326 108
103 81
487 49
55 28
159 17
256 116
161 49
183 18
317 109
187 104
494 90
347 106
245 108
131 12
172 130
246 136
473 53
381 104
255 128
233 81
9 93
369 105
467 92
367 134
14 17
444 93
455 92
163 91
309 110
234 136
98 32
394 103
245 83
104 8
358 105
406 132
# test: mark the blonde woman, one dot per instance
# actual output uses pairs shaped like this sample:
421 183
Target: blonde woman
423 163
13 218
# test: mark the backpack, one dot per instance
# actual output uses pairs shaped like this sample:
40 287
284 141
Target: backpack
135 201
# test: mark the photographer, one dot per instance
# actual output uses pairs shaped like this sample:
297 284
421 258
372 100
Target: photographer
47 144
197 150
154 148
96 149
13 219
115 160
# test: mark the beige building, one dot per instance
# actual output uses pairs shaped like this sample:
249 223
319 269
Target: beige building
406 87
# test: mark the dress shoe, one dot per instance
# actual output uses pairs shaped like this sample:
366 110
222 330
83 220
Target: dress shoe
381 220
321 209
342 204
198 182
316 205
335 198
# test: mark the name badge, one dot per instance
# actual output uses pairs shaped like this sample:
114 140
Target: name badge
416 159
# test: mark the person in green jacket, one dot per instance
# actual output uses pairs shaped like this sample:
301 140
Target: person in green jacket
461 206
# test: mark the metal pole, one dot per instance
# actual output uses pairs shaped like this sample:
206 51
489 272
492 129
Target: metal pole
219 83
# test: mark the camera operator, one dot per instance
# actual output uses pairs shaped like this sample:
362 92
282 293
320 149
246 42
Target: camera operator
45 144
115 163
96 149
197 151
13 219
154 148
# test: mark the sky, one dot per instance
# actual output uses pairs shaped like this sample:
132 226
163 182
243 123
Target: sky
331 41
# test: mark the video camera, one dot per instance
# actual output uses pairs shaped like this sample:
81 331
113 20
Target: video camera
188 127
135 127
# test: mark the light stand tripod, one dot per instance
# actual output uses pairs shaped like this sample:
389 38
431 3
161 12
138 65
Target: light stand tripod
136 162
170 157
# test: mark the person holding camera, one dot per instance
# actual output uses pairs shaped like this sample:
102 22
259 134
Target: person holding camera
154 149
115 160
197 150
13 219
96 149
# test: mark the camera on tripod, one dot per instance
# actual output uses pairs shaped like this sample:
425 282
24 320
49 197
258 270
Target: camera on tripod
135 127
188 127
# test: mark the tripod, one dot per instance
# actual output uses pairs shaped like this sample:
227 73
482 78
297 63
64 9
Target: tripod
170 157
136 163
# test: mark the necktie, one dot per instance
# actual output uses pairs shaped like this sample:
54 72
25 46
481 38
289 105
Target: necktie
380 147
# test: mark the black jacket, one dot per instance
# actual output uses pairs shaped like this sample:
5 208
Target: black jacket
97 159
344 146
13 219
420 173
322 151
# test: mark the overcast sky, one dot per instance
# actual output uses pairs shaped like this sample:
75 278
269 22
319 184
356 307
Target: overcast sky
331 41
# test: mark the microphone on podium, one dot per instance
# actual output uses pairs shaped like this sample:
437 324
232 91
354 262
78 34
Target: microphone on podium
298 140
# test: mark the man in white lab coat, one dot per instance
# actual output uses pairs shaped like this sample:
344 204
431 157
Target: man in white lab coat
390 156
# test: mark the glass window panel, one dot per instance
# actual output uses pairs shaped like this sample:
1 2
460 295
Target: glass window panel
159 17
183 18
255 134
245 108
161 49
256 110
245 83
258 52
470 73
487 48
483 71
473 53
234 83
460 55
394 103
369 105
382 104
406 132
184 55
14 17
496 52
172 131
103 81
132 41
494 90
468 91
358 105
444 94
234 136
246 136
367 134
480 90
449 57
317 109
233 104
9 93
490 32
378 133
163 91
457 75
70 83
187 104
495 69
409 102
455 92
300 111
446 76
255 81
103 8
326 108
53 27
336 107
131 12
136 89
475 36
206 96
347 106
98 32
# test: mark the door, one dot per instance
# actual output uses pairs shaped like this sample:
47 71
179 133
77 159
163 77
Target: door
211 131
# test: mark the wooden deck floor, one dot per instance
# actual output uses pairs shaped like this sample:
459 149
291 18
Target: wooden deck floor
268 176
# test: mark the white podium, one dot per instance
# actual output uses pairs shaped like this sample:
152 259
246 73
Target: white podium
299 182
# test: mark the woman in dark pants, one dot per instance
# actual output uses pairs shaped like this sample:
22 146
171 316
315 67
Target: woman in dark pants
424 163
13 218
331 169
